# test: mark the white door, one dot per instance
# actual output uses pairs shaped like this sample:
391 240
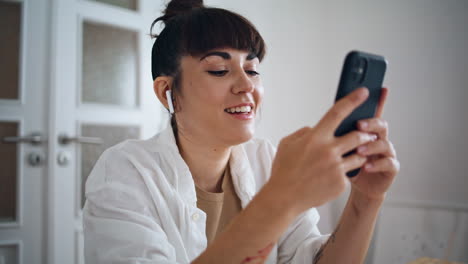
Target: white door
101 90
84 85
23 112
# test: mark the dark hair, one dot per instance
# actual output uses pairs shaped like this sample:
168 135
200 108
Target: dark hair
193 29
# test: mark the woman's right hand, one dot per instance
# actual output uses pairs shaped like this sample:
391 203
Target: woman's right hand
309 168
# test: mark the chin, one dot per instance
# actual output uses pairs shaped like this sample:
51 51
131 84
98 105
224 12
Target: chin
242 137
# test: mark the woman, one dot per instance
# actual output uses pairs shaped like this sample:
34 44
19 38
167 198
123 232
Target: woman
204 191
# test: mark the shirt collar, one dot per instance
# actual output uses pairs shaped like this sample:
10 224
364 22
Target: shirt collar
242 174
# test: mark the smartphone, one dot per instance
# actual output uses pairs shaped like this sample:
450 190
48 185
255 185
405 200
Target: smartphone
360 69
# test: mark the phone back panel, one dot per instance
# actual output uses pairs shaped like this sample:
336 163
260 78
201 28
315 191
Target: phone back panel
360 69
372 78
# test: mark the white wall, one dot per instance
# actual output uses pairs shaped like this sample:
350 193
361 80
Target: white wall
425 42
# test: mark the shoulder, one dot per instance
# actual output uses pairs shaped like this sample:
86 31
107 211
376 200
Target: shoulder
129 152
125 161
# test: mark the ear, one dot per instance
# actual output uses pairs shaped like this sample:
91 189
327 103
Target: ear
160 85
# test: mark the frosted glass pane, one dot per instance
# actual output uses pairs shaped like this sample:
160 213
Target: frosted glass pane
109 65
10 27
9 254
110 135
128 4
8 173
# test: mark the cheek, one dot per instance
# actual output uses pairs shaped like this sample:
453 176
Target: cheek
258 94
208 94
212 95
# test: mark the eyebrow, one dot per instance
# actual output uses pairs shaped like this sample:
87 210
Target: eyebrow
226 55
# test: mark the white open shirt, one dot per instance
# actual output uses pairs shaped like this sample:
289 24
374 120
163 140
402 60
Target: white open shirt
141 205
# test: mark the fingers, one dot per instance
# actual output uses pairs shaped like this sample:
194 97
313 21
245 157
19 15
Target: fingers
382 100
382 147
342 109
375 125
301 132
352 140
353 162
297 134
387 164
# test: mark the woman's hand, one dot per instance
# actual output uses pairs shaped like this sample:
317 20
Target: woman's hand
309 168
372 183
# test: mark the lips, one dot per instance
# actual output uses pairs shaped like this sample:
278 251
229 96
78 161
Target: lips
243 108
241 111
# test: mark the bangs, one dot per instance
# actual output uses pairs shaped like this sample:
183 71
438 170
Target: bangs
199 31
206 29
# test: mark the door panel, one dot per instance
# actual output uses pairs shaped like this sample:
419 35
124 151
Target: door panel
101 89
10 253
10 26
23 113
9 174
110 65
128 4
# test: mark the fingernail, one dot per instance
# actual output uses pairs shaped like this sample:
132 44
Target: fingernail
368 166
362 149
364 93
363 124
359 95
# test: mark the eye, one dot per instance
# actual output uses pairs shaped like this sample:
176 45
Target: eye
218 73
253 73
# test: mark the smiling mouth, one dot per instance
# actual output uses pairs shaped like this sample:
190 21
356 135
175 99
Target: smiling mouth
239 110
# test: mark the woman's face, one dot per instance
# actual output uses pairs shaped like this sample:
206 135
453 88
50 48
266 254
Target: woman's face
218 89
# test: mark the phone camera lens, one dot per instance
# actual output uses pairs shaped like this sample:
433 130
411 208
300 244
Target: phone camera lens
359 70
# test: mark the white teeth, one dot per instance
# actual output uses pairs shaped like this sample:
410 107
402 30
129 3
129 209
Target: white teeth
242 109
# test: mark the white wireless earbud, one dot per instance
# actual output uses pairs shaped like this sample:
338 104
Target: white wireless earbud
169 101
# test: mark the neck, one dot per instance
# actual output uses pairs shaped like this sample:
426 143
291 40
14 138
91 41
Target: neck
206 162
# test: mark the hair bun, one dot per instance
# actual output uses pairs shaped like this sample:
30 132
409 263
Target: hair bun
176 7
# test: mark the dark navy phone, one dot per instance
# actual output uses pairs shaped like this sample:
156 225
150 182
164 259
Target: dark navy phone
360 69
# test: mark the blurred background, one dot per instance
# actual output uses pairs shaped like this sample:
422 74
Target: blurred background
76 79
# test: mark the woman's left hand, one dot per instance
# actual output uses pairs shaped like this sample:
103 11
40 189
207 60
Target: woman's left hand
372 183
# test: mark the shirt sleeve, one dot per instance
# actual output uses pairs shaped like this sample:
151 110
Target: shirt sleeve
119 223
302 239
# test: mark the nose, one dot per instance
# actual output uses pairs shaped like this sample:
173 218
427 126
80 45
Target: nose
243 84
